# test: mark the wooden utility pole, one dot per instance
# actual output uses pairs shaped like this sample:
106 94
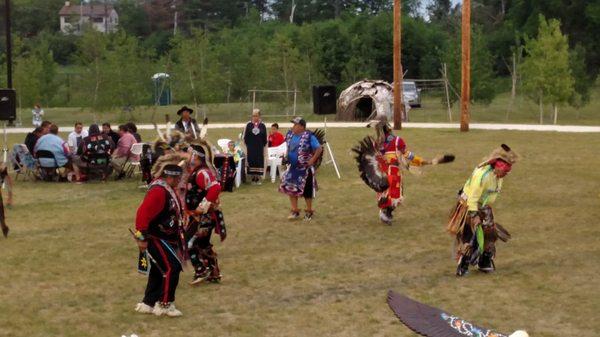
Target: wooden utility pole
465 87
398 104
7 27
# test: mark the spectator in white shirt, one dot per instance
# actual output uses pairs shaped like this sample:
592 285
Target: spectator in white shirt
76 137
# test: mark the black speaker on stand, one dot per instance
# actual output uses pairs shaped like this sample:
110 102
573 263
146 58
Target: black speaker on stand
324 99
8 105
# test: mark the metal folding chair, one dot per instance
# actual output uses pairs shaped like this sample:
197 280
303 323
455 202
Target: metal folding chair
47 173
133 160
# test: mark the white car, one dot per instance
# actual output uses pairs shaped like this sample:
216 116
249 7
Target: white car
411 94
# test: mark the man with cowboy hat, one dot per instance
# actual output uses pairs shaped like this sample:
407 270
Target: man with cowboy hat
472 220
186 123
202 208
159 233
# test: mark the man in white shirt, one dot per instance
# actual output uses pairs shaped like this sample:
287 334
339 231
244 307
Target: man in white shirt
76 137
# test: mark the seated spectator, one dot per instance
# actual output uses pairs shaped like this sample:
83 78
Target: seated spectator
275 137
123 151
95 149
32 138
76 137
110 132
46 127
234 150
58 147
133 130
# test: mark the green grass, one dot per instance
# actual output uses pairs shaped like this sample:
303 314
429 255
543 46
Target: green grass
433 110
68 267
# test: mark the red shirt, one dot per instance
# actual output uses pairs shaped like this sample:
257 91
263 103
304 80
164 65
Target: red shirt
276 139
153 204
392 144
206 180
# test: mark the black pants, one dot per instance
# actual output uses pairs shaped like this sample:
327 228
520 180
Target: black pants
202 248
161 288
308 186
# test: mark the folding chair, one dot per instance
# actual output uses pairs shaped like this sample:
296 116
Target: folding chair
239 171
133 160
224 144
47 173
22 161
275 159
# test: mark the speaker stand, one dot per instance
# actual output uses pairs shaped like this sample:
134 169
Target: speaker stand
331 159
5 145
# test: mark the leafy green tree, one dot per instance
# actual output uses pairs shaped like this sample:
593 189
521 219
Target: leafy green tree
482 74
34 74
286 62
439 10
133 18
213 14
26 80
331 42
580 20
545 71
126 70
196 73
583 80
92 48
30 17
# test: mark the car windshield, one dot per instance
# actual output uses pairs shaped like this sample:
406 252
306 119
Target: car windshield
409 87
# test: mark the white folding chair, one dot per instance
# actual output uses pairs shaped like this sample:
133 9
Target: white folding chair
134 158
275 159
238 172
223 144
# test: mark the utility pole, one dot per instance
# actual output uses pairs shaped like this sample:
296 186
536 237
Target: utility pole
465 87
398 74
9 82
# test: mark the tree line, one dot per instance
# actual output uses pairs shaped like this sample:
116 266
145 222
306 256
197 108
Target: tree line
218 50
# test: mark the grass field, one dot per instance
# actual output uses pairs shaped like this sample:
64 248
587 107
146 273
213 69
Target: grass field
68 267
433 110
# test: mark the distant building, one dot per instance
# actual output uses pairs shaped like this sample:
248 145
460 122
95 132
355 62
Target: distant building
101 17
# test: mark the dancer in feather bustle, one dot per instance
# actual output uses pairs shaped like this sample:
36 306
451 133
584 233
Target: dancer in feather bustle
472 220
159 234
380 162
202 210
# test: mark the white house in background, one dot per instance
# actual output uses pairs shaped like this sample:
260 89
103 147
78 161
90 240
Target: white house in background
102 17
